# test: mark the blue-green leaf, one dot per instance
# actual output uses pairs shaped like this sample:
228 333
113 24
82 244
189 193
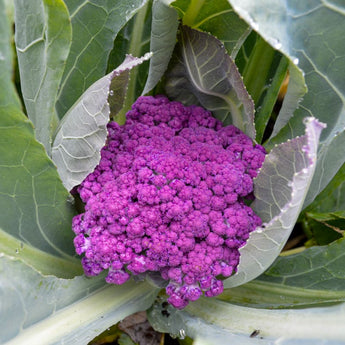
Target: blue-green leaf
218 322
311 35
46 310
217 18
95 24
34 204
35 215
316 268
204 73
311 277
43 38
163 39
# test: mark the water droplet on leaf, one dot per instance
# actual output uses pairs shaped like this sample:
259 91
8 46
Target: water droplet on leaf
252 22
254 25
70 199
276 43
182 334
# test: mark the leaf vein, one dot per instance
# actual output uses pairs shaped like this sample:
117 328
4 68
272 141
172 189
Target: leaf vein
211 17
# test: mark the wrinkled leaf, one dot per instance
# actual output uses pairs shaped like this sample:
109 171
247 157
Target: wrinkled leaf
95 25
217 18
43 38
311 34
289 167
83 132
218 322
211 80
48 310
163 39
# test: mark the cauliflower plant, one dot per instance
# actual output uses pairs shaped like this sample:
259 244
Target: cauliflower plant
169 195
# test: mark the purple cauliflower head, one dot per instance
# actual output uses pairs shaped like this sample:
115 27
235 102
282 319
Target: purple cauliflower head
168 196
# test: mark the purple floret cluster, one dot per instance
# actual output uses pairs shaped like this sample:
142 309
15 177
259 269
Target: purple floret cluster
168 196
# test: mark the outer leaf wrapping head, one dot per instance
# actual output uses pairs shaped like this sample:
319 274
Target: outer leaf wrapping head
83 132
280 189
203 73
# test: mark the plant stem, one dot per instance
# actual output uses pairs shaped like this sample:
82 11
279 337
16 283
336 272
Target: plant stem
264 113
257 68
192 12
134 49
256 77
301 325
261 294
45 263
135 45
83 319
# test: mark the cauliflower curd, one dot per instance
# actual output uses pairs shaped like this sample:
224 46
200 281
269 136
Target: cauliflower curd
168 196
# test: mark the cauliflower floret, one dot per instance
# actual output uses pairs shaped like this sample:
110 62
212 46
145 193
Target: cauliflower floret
169 196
